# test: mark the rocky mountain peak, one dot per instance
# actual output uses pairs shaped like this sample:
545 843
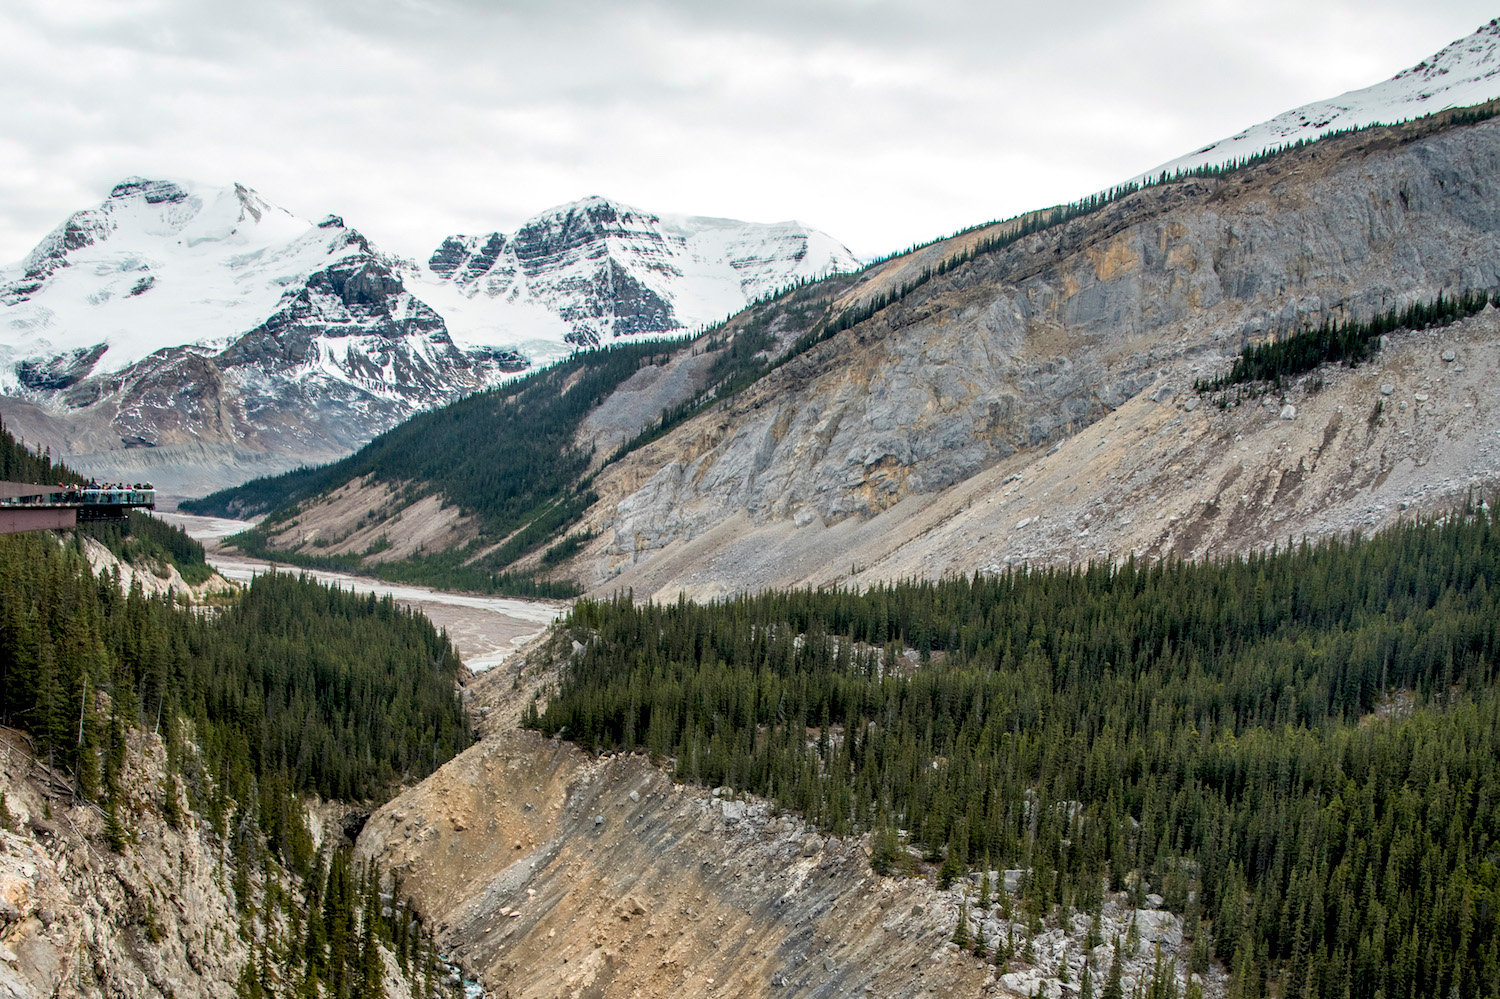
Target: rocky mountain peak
153 191
177 315
1473 57
573 226
591 270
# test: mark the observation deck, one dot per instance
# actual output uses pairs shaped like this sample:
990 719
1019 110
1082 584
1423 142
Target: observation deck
26 506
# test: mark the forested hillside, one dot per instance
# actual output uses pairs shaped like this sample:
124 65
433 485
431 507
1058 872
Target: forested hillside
498 454
505 456
144 537
1284 357
294 687
1299 750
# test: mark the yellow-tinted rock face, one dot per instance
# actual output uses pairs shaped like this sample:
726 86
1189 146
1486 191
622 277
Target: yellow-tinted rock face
576 875
1113 259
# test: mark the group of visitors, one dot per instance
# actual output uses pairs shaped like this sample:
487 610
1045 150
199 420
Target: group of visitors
72 487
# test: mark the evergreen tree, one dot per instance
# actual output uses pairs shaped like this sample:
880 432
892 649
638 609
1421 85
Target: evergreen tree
1114 987
961 930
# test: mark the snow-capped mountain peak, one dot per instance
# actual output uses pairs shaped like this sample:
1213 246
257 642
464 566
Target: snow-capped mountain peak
594 269
175 317
1463 74
158 264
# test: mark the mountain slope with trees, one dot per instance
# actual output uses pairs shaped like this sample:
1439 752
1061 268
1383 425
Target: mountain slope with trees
1299 751
292 691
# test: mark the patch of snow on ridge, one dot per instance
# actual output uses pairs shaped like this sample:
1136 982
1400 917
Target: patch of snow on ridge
1465 73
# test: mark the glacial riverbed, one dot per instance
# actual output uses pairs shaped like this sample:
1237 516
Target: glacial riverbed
484 629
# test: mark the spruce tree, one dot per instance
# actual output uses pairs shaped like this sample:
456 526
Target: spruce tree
1114 987
961 930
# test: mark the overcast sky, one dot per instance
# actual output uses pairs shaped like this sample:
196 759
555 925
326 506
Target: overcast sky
883 122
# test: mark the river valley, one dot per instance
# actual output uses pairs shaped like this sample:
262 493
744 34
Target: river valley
484 629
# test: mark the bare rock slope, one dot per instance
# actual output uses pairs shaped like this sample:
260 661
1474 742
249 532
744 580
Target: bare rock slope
976 389
1031 398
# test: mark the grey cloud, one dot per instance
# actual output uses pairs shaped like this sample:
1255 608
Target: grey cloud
882 121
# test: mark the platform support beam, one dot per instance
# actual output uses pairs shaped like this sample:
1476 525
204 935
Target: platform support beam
15 520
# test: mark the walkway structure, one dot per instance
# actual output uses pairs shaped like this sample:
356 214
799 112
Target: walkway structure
26 506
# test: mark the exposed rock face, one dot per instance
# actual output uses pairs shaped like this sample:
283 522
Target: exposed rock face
78 921
83 921
154 578
595 269
59 372
1022 348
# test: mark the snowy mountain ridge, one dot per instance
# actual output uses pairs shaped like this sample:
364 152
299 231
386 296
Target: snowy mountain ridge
176 320
1465 73
587 272
159 264
185 324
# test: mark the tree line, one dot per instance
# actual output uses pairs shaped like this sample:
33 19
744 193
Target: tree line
21 464
1015 229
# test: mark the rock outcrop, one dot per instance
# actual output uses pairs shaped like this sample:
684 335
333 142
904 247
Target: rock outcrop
157 918
593 270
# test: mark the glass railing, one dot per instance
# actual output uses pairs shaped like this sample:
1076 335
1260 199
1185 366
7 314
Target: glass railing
87 496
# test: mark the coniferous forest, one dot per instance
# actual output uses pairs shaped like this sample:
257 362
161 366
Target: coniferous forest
291 690
1299 750
295 684
1331 342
